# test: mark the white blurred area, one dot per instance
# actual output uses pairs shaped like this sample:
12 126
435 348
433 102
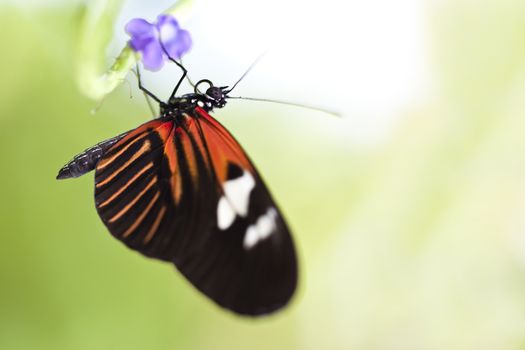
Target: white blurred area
365 59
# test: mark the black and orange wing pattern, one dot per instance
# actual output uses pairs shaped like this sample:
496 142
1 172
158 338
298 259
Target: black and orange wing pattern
186 192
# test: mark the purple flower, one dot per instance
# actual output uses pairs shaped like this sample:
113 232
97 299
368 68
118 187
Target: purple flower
146 38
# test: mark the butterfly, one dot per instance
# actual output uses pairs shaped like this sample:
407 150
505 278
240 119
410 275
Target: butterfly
181 189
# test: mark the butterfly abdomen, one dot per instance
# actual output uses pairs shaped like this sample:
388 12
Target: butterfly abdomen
86 161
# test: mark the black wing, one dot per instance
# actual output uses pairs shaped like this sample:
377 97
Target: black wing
187 193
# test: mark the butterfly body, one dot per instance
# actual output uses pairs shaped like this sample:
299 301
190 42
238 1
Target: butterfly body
180 188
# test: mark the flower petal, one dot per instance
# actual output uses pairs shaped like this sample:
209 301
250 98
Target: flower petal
139 43
153 56
140 27
179 45
167 21
146 38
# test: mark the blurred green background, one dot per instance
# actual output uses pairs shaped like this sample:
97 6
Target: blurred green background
415 242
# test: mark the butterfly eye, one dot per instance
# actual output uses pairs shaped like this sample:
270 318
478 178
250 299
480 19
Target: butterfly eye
215 93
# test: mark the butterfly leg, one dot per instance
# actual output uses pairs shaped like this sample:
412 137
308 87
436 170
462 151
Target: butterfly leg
148 101
184 73
187 76
146 91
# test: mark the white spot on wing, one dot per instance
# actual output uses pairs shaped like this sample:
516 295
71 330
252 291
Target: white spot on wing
238 192
225 214
251 237
266 223
262 229
236 199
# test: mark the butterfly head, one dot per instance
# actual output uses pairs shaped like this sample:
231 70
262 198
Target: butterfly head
214 97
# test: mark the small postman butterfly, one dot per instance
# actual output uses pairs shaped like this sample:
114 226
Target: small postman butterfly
180 188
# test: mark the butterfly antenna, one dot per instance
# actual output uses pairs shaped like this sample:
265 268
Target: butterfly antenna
315 108
246 72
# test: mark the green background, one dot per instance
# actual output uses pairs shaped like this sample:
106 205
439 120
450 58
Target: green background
416 244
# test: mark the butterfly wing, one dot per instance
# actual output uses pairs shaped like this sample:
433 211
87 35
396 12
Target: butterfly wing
130 189
187 193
